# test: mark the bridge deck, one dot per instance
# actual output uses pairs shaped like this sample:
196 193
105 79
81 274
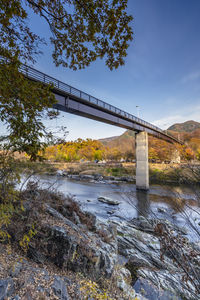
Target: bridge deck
80 103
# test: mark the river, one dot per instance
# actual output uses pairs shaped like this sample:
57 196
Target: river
178 204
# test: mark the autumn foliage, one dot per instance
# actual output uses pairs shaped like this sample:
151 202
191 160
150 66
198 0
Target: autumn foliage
90 150
74 151
123 147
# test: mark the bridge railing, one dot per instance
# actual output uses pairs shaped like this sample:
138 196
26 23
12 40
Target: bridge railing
34 74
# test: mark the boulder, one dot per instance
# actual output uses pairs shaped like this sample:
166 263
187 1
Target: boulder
161 210
111 212
60 173
86 177
108 201
75 248
80 253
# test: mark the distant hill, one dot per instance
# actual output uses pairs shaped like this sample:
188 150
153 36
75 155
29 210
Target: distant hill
188 126
124 143
189 132
105 140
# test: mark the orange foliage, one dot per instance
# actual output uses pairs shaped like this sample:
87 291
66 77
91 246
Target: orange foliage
73 151
124 147
189 154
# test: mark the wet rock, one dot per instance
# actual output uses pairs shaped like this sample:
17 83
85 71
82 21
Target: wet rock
99 178
111 212
143 223
108 201
183 230
86 177
161 210
109 177
74 177
60 173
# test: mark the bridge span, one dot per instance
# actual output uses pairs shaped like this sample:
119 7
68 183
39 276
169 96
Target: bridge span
75 101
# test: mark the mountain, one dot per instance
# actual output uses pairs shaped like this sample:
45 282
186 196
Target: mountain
105 140
123 143
188 126
189 132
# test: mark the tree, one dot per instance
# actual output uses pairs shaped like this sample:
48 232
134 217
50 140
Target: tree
103 24
153 155
21 107
82 31
198 154
189 154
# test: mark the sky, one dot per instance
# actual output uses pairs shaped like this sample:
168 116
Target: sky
161 73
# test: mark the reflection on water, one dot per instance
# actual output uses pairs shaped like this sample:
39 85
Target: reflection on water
143 203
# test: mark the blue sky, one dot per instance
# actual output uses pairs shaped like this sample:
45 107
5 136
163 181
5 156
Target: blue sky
161 74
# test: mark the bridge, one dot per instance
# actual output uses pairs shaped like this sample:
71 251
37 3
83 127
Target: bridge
74 101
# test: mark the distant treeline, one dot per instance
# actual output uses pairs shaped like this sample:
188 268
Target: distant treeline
81 150
122 148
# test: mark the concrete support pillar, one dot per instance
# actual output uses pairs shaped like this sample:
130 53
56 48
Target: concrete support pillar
142 163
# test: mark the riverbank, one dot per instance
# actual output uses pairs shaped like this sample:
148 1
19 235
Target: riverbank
68 255
73 255
115 172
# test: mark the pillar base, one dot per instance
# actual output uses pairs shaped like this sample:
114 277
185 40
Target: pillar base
142 188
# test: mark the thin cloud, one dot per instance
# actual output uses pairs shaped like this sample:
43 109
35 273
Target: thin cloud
179 117
191 77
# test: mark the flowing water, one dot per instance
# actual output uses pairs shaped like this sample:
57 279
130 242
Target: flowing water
178 204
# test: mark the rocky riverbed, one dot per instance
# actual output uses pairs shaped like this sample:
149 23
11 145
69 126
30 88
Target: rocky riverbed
96 177
140 259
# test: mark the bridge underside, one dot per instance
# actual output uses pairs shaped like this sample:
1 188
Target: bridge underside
70 105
